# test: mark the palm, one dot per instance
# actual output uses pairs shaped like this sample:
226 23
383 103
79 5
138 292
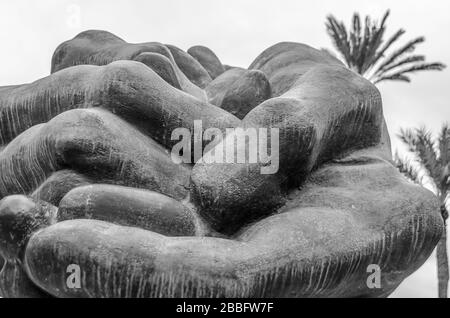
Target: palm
365 51
431 166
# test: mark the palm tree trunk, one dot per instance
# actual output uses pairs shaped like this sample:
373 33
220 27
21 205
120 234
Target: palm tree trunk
442 265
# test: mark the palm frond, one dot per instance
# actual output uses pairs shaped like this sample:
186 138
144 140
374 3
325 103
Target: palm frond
420 143
375 42
363 47
339 36
444 144
395 77
406 60
444 157
407 169
387 45
408 47
357 47
364 50
355 35
414 68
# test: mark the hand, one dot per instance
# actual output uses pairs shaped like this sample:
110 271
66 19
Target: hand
93 140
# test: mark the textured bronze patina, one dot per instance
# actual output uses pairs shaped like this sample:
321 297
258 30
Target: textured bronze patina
86 178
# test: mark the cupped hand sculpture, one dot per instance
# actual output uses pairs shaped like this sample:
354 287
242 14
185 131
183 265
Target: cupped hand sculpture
87 178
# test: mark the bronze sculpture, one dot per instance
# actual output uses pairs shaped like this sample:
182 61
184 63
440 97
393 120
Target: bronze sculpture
86 178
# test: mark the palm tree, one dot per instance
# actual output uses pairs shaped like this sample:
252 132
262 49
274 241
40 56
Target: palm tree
431 166
364 51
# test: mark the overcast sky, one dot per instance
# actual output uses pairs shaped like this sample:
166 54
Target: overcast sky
238 30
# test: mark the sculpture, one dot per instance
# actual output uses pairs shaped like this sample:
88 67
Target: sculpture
86 178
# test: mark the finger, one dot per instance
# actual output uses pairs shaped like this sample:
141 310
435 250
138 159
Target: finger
96 144
190 67
96 47
55 187
208 59
70 53
348 216
19 218
325 110
284 63
165 66
246 93
126 88
217 88
161 65
147 210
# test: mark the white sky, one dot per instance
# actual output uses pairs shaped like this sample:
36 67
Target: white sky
237 31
